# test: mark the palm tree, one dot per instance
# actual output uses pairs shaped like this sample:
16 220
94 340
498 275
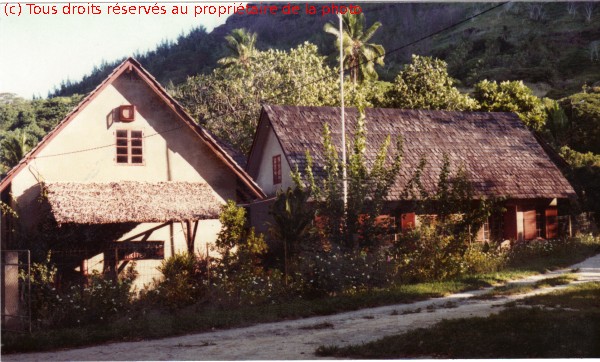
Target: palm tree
359 55
242 44
14 147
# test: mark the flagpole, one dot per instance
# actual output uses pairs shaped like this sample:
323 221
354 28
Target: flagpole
344 179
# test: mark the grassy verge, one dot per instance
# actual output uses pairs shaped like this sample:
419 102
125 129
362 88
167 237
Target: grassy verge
522 288
569 332
148 324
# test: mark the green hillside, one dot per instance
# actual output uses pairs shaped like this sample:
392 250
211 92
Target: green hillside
548 44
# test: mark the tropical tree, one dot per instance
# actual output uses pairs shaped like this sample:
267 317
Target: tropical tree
425 84
512 97
360 56
583 111
228 100
356 226
15 145
237 243
242 44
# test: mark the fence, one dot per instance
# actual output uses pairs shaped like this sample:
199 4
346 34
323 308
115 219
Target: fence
75 265
15 290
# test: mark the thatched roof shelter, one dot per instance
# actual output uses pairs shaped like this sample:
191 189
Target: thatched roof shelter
131 201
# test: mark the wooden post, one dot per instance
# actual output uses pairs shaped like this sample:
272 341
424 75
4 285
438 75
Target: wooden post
190 237
207 266
570 227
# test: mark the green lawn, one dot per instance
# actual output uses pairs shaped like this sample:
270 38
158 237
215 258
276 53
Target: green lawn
563 324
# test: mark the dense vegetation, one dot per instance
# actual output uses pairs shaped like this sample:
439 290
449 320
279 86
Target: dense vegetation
23 123
545 43
192 298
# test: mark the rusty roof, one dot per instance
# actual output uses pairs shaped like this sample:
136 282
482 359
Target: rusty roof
501 156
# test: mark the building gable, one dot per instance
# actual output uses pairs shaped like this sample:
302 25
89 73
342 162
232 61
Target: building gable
85 141
265 154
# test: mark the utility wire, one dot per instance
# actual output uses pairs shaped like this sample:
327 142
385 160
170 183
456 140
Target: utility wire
265 100
395 49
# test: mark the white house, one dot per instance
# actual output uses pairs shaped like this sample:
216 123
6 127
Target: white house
128 175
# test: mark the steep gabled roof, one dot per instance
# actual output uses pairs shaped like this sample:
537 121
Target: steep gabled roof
132 65
500 155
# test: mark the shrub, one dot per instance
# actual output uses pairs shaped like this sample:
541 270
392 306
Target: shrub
431 253
249 285
339 271
425 254
45 299
97 299
484 258
525 251
185 281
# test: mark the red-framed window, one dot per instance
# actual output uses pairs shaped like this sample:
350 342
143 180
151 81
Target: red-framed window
130 147
276 169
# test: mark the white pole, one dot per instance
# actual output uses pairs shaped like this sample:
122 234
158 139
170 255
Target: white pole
344 179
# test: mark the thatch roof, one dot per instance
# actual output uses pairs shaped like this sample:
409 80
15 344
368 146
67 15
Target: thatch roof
131 201
501 156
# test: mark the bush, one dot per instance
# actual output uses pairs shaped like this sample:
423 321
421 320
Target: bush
185 281
523 252
100 299
484 258
339 271
97 299
249 285
425 254
428 253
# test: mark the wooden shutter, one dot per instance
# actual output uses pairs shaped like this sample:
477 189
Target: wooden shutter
551 223
510 222
407 221
276 169
529 225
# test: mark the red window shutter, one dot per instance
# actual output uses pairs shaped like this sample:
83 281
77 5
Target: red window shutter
407 221
277 169
529 225
510 222
551 223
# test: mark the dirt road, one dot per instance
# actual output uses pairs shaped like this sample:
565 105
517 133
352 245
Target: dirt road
298 339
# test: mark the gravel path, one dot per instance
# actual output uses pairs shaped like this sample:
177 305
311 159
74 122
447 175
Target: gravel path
298 339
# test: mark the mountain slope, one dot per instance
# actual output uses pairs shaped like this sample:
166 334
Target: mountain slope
545 43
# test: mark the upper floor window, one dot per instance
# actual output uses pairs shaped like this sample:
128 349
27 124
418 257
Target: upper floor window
130 147
277 169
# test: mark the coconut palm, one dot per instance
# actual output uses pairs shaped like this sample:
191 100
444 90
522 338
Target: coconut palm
359 55
13 148
242 44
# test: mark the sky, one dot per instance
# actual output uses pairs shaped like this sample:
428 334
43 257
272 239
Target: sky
37 52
